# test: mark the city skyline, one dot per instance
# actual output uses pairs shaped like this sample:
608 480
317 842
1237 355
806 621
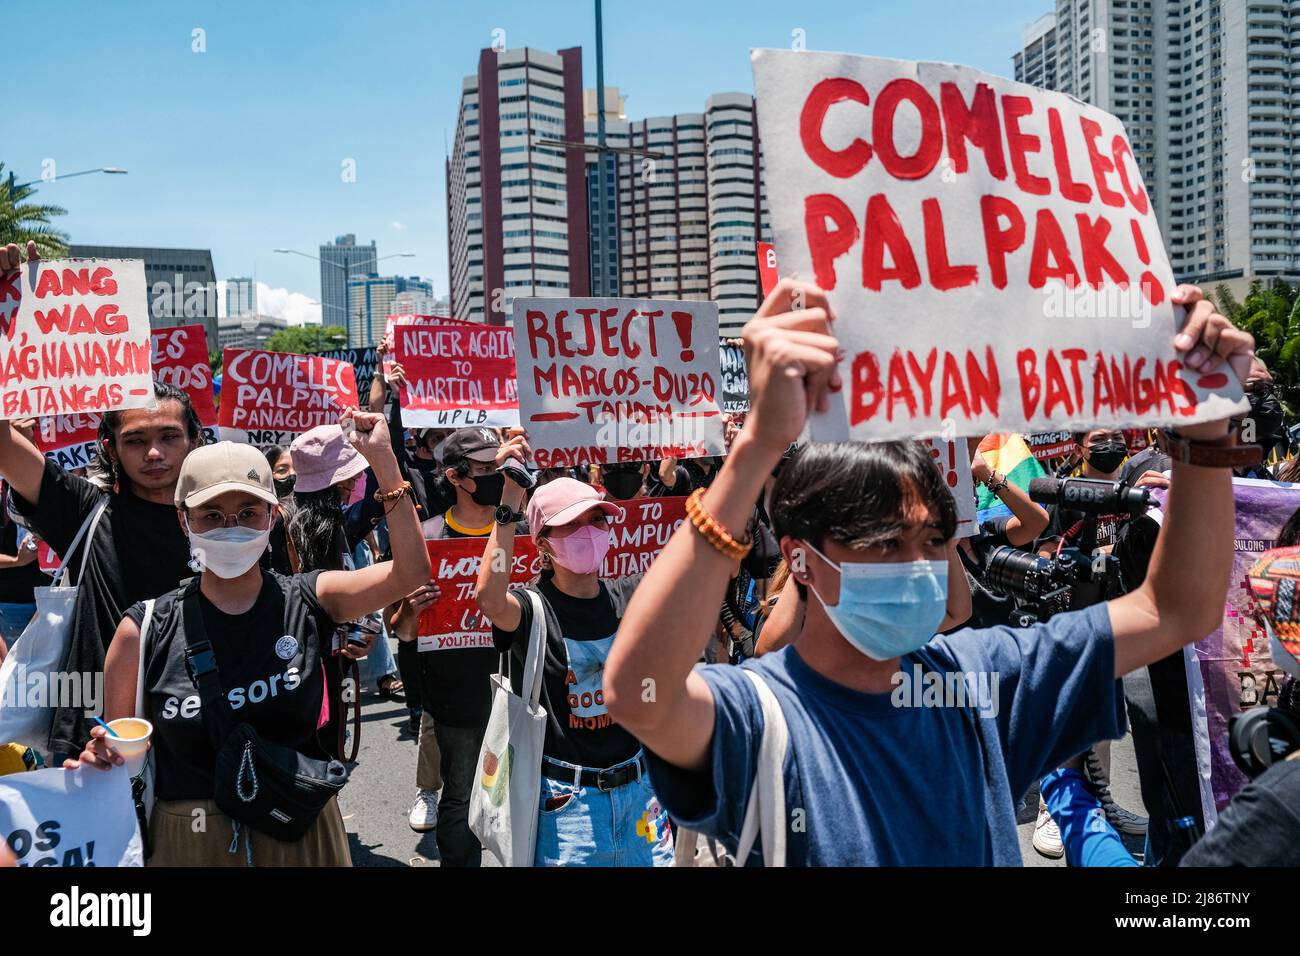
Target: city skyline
284 185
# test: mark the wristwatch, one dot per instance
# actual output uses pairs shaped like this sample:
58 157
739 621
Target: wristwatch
505 516
1206 454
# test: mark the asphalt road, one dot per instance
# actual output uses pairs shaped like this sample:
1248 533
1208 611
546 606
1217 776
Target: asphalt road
379 795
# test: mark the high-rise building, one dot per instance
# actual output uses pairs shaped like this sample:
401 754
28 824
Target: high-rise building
517 210
370 302
241 297
738 217
341 260
1208 91
414 302
248 331
181 283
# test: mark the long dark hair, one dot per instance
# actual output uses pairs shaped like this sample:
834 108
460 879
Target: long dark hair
103 470
316 525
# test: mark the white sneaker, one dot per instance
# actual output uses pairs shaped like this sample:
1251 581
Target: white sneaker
424 815
1047 836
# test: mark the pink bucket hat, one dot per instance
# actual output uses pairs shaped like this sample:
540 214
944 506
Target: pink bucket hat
323 457
560 501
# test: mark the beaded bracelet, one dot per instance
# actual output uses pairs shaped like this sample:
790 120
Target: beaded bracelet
995 482
393 495
713 532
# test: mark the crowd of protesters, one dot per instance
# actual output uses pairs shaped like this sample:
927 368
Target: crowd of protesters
804 580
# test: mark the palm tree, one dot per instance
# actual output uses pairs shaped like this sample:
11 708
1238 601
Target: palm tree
23 221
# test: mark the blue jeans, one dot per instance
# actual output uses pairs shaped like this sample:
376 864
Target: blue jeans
14 618
626 826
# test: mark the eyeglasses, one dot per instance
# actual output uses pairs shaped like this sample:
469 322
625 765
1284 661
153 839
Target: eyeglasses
204 520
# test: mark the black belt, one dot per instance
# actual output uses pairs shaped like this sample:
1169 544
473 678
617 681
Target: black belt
602 780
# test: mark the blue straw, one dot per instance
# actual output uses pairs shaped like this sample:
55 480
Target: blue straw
101 723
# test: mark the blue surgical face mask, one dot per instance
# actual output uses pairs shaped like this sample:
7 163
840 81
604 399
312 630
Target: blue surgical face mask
888 609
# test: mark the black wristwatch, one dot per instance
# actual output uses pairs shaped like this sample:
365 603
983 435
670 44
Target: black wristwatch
505 516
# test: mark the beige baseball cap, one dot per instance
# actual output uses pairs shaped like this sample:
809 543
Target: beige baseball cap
226 466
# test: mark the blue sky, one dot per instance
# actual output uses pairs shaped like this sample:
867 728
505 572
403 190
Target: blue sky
239 148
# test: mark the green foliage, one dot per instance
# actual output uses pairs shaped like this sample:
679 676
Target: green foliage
21 221
305 339
1272 314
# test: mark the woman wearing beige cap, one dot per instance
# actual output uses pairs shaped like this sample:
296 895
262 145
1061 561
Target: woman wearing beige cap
260 638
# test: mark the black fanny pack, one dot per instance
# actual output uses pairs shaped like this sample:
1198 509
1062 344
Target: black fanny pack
270 787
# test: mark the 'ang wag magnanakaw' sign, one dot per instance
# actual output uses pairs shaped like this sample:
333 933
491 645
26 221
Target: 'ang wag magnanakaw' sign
991 254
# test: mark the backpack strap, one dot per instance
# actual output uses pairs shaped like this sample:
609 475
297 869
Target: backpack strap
766 809
201 663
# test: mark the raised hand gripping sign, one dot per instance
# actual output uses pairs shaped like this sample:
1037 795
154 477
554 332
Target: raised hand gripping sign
457 375
989 250
74 337
605 380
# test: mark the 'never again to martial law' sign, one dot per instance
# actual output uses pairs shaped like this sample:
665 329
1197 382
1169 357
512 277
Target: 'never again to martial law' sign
989 249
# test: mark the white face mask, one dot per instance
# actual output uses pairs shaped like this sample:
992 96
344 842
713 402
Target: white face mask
228 552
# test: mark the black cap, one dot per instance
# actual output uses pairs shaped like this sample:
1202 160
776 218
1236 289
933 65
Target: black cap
478 443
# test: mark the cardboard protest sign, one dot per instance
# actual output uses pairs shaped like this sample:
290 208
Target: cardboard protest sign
1048 445
274 396
457 375
412 318
452 621
955 465
82 817
989 249
735 379
767 275
641 533
74 338
364 362
178 356
604 380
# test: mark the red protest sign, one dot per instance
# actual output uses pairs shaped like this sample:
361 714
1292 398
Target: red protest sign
641 533
179 356
452 621
989 248
412 318
283 392
457 375
604 380
74 338
767 267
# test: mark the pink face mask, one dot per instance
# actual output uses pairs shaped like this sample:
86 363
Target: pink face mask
358 491
582 552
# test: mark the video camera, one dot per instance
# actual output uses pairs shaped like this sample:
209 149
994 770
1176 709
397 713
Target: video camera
1078 576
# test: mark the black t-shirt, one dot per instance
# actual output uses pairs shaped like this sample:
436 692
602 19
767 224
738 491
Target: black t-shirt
455 682
16 583
139 551
1069 523
579 634
1260 827
269 663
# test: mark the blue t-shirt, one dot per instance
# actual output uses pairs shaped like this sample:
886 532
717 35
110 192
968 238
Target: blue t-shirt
869 783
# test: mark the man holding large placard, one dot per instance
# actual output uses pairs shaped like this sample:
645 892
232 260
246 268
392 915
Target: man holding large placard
139 550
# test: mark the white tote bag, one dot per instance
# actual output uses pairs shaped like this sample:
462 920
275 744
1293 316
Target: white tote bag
33 667
503 802
765 812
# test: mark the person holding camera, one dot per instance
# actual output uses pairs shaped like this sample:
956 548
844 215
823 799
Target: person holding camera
865 529
232 668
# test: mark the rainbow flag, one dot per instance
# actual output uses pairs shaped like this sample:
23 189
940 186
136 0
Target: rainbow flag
1009 455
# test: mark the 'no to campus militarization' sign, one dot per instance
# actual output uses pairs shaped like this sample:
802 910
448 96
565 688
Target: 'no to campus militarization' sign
607 380
74 337
990 252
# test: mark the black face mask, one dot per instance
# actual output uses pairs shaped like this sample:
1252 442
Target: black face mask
488 488
623 484
284 486
1108 455
1266 413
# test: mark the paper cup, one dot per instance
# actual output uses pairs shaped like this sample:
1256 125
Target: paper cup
132 741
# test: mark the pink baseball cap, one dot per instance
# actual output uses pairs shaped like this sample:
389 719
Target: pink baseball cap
323 457
564 499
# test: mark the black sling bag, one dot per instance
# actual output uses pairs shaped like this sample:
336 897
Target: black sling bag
270 787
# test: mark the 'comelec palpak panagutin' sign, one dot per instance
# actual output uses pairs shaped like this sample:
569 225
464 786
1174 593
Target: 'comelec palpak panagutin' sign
271 397
989 249
74 338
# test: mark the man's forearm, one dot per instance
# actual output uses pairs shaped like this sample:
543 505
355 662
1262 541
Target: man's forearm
675 607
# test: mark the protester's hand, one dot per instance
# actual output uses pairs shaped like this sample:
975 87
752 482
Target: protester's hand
792 360
1208 342
385 344
397 376
356 651
668 472
515 446
368 433
1152 479
6 857
730 432
405 623
98 753
24 557
979 468
11 259
25 427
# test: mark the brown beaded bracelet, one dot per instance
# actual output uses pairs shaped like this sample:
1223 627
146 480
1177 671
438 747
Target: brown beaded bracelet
713 532
393 495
